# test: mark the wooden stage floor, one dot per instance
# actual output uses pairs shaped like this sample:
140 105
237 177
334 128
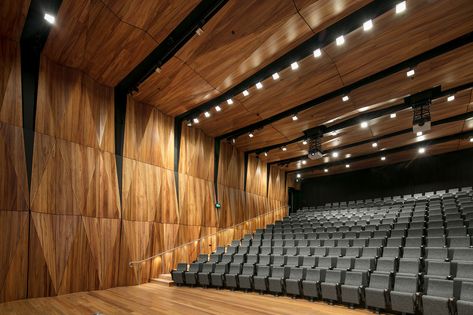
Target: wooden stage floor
153 298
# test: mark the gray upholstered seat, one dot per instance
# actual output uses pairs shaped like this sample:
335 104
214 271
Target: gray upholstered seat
218 276
438 298
191 275
377 293
404 294
245 279
465 302
260 280
294 281
204 275
311 284
352 290
276 282
330 288
231 278
178 274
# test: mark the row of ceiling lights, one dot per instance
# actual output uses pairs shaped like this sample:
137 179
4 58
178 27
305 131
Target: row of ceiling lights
340 40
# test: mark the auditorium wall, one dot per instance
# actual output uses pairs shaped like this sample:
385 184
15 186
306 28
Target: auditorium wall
67 227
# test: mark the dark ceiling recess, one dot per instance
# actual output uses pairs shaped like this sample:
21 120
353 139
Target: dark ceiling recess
201 14
436 92
411 62
460 117
319 40
457 136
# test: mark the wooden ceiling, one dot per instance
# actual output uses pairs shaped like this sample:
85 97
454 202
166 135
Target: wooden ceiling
12 18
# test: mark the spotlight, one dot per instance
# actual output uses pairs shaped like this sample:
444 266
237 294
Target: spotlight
298 175
284 148
419 133
294 117
218 108
450 98
196 120
246 93
345 98
383 158
189 123
251 135
157 70
335 154
304 162
207 114
363 109
51 19
364 124
471 139
294 65
326 170
199 31
233 140
275 76
393 115
340 40
347 165
421 150
229 101
348 155
317 53
410 73
259 85
421 138
401 7
374 144
304 142
368 25
265 153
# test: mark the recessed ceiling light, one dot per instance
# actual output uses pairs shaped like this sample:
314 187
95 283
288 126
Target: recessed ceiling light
335 154
345 98
401 7
233 140
383 158
393 115
207 114
196 120
218 108
348 155
246 93
450 98
157 70
304 142
251 135
410 73
298 175
363 109
51 19
419 133
294 65
326 170
471 139
259 85
265 153
304 162
347 165
275 76
421 138
199 31
229 101
421 150
189 123
340 40
317 53
368 25
364 124
284 148
294 117
374 144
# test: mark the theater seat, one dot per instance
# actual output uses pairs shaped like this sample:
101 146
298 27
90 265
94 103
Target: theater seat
311 284
465 303
218 276
260 280
276 282
231 278
377 294
404 296
353 289
177 275
245 280
294 281
439 298
330 288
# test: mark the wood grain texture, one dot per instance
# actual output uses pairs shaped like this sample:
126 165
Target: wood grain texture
148 193
196 158
233 206
13 255
149 135
74 107
196 201
12 17
256 178
10 81
109 38
277 186
69 178
231 166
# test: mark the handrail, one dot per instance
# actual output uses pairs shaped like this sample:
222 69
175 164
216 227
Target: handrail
137 262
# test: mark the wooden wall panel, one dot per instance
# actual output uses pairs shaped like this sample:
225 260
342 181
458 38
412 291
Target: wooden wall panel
13 255
69 178
149 135
196 201
233 206
231 166
255 205
256 178
73 107
148 193
197 154
12 17
277 184
10 82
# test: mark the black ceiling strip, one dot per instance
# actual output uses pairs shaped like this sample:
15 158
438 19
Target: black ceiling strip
460 117
364 117
461 135
344 26
411 62
198 17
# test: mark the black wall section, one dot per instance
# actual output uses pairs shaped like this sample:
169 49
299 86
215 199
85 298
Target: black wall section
120 99
424 174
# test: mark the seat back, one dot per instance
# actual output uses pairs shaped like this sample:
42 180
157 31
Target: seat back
309 261
264 260
438 268
248 270
407 265
463 254
235 269
380 281
195 267
181 267
405 284
466 291
356 278
364 264
386 264
263 271
297 273
334 276
203 258
252 259
221 268
279 272
465 270
440 288
344 263
412 252
208 267
293 260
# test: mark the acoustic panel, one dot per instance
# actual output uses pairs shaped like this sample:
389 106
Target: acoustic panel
10 82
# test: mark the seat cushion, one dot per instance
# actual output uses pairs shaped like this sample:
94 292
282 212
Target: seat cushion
434 305
351 294
464 307
375 297
402 302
